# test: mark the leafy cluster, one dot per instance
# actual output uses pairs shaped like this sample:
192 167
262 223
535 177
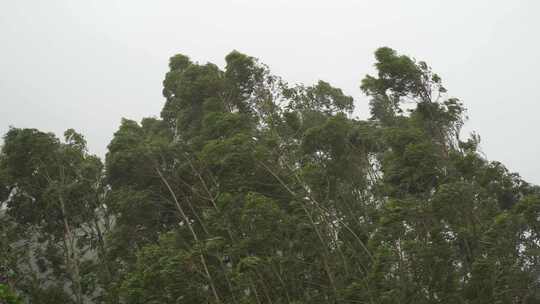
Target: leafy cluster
251 190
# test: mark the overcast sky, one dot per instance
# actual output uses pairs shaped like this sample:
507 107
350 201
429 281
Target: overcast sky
85 64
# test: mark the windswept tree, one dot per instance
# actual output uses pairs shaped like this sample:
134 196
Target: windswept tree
55 218
248 189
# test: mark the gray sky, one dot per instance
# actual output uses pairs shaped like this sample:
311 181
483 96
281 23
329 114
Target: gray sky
85 64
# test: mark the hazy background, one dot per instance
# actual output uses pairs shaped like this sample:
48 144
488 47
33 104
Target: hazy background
85 64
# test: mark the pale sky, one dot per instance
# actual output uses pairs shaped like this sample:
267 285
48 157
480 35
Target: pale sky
86 64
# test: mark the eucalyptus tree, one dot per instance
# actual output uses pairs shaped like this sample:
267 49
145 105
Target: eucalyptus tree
263 192
56 214
441 202
250 190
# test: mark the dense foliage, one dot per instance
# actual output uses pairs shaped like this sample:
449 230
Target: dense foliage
251 190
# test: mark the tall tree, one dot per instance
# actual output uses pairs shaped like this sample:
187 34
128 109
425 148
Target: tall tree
251 190
56 207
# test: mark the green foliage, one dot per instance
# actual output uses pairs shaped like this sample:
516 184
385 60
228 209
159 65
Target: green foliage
249 190
7 297
54 213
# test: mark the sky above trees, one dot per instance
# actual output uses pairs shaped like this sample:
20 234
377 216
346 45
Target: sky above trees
85 65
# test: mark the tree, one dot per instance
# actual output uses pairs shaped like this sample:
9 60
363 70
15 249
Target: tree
55 207
251 190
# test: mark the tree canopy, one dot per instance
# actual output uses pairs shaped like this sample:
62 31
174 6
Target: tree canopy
248 189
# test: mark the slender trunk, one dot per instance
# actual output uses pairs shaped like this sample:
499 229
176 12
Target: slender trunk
72 255
193 233
314 225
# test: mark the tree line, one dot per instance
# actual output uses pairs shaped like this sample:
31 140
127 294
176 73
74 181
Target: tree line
249 189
